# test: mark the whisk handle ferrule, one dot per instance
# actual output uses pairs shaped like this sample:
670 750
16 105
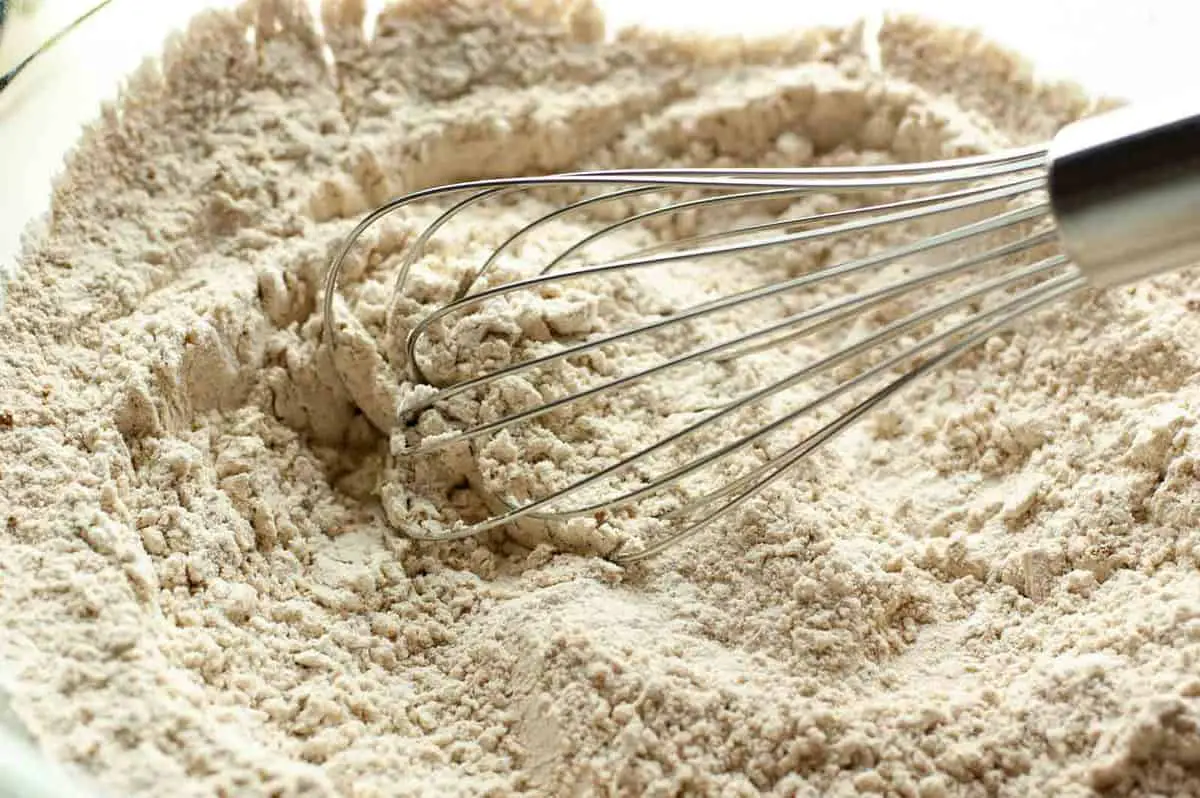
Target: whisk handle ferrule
1125 190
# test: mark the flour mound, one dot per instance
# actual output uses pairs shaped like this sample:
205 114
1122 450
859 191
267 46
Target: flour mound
990 588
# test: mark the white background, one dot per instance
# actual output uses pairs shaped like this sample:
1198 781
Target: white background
1133 49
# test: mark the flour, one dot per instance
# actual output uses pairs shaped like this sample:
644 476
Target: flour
988 588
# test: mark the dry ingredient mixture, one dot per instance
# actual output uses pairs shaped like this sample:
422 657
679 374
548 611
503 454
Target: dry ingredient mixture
990 588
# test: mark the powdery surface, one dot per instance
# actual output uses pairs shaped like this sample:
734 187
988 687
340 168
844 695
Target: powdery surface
989 589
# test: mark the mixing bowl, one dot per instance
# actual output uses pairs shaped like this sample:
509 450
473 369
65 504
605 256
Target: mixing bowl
1135 50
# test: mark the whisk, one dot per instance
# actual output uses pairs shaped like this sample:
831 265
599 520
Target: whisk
1111 199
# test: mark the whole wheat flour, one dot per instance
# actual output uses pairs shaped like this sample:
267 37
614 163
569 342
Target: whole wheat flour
988 589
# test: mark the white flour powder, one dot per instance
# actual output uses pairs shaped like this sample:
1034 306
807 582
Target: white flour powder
990 588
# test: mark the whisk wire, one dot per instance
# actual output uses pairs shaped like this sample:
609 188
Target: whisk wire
763 227
871 177
1025 303
964 232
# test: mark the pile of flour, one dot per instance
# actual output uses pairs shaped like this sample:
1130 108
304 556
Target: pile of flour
989 588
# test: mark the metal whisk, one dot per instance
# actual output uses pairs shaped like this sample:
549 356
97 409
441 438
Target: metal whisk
1111 199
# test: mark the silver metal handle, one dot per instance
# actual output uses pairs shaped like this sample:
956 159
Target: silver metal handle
1125 191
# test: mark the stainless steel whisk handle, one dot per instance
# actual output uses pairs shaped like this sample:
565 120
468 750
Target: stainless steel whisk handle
1125 192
